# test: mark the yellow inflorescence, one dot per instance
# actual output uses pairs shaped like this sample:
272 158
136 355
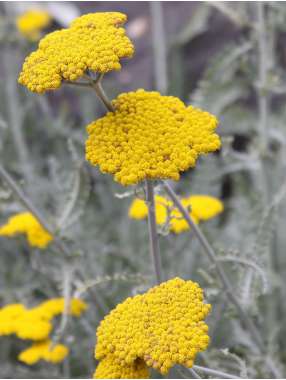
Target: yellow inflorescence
44 351
110 369
26 223
35 323
202 207
150 136
93 42
31 23
162 327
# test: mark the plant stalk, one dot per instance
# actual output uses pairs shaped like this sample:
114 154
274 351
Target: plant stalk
153 235
223 278
26 202
215 373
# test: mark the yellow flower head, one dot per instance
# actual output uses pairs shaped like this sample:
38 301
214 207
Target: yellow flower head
110 369
44 351
139 210
35 323
8 316
31 23
163 327
93 42
26 223
202 207
150 136
53 307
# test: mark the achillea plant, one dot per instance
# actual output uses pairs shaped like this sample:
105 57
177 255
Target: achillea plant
202 208
150 136
25 223
36 324
162 327
147 137
93 42
44 350
31 23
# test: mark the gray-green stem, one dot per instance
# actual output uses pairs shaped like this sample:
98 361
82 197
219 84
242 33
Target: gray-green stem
223 278
215 373
27 203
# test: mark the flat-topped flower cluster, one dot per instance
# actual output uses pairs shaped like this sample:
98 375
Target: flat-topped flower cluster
162 327
36 324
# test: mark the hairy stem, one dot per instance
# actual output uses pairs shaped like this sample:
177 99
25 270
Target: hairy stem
263 95
215 373
159 46
194 374
153 235
223 278
96 85
14 114
67 287
26 202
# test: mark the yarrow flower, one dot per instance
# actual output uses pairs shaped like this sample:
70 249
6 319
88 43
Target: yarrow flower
202 208
31 23
44 351
26 223
36 324
150 136
163 327
93 42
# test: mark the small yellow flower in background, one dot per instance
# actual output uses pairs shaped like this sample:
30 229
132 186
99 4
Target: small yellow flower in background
163 327
150 136
26 223
31 23
110 369
203 207
139 210
93 42
44 351
35 324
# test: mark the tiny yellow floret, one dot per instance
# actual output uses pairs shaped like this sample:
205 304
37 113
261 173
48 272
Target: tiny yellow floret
150 136
202 208
31 23
94 41
108 368
26 223
44 351
163 327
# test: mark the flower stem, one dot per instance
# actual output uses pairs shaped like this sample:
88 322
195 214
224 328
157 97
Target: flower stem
223 278
26 202
96 85
67 272
153 235
194 374
215 373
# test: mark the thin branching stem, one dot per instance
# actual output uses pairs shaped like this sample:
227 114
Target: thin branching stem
78 84
96 85
153 235
27 203
194 374
223 278
215 373
67 272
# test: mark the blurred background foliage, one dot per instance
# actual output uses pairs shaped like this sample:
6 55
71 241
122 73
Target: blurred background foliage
220 56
